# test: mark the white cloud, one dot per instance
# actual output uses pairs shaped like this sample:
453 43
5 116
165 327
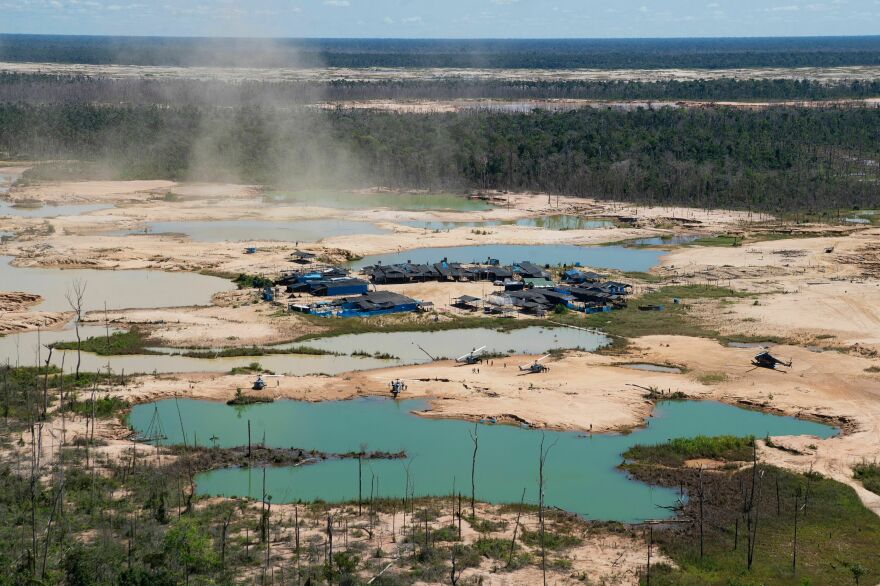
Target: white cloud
337 3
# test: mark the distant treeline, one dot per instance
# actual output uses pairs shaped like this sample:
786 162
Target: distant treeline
773 159
553 54
58 89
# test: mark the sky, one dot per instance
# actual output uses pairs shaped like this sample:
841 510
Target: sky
443 18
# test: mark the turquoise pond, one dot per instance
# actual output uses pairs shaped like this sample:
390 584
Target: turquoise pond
608 257
581 473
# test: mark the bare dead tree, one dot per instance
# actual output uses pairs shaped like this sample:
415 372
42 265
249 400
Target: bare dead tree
797 508
48 537
476 441
106 326
778 508
453 578
360 479
330 541
452 497
6 391
75 298
296 529
701 494
223 532
752 513
515 528
542 460
45 405
459 516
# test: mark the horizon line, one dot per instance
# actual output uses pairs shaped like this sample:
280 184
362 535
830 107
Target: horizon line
380 38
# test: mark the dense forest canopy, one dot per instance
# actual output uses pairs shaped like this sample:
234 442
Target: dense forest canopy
773 159
564 53
55 89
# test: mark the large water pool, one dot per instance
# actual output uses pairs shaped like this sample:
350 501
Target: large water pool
28 348
581 474
119 289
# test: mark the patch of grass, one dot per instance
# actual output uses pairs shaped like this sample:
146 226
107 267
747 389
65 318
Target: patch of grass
104 407
630 322
245 281
378 355
22 396
553 540
869 475
242 399
495 549
447 533
722 240
256 351
712 378
252 368
486 525
676 452
118 344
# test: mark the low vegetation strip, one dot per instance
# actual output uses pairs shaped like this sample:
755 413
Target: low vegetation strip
755 525
676 452
116 344
869 475
675 318
257 351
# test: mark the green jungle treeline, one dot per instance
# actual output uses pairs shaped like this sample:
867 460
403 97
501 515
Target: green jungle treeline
773 159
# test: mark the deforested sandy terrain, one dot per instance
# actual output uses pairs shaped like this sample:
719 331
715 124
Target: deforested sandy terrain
600 394
565 105
236 320
822 291
812 287
73 192
317 74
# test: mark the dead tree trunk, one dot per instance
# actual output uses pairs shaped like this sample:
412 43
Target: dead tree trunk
330 542
75 298
794 542
476 440
45 405
515 527
752 517
701 494
223 534
542 460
